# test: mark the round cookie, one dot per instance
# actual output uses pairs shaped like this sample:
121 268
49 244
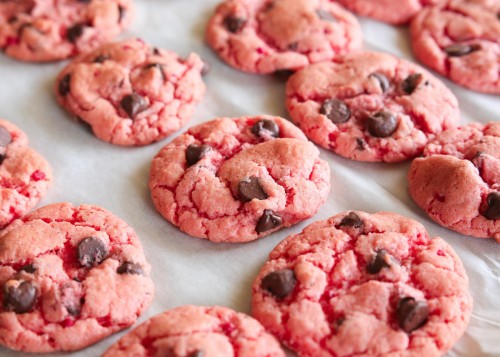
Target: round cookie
196 331
266 36
457 183
69 276
41 31
25 175
370 106
363 284
460 40
236 180
131 93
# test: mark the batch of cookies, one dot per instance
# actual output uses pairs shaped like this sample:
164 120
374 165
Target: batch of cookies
357 284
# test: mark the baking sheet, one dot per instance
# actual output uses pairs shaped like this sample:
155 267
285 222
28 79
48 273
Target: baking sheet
193 271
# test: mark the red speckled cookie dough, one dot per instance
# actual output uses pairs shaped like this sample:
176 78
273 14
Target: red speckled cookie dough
69 276
457 183
196 331
131 93
25 175
41 30
265 36
370 106
363 284
460 40
236 180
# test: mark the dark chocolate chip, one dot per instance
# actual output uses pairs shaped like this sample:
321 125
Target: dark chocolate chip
351 220
382 80
74 32
234 24
195 153
206 68
101 59
19 299
382 124
325 15
198 353
293 46
279 283
283 74
336 110
91 252
157 66
5 137
29 268
498 15
379 261
493 202
133 104
267 221
412 314
250 188
73 310
458 50
130 268
64 85
360 143
156 51
121 13
266 127
411 83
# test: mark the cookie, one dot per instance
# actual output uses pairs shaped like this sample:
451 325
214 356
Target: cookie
362 284
266 36
236 180
370 106
460 40
42 31
197 331
25 175
392 12
131 93
69 276
457 183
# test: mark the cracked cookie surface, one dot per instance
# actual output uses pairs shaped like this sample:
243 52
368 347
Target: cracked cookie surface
363 284
457 183
131 93
236 180
196 331
69 277
266 36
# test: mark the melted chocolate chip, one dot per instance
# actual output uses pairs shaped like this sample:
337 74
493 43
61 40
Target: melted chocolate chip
412 314
195 153
5 137
360 143
121 13
266 127
335 110
382 80
459 50
493 202
198 353
351 220
133 104
293 46
91 252
64 85
156 51
380 260
267 221
101 59
411 83
279 283
29 268
74 32
382 124
130 268
234 24
20 298
325 15
250 188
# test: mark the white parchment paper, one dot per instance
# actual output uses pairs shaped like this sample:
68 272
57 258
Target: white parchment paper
188 270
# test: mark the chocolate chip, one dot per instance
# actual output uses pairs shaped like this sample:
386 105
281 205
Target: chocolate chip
283 74
493 202
380 260
74 32
279 283
458 50
325 15
101 59
198 353
20 298
133 104
250 188
29 268
234 24
498 15
351 220
195 153
412 314
156 51
267 221
157 66
360 143
382 124
74 311
411 83
335 110
121 13
382 80
130 268
293 46
64 85
266 127
91 252
206 68
5 137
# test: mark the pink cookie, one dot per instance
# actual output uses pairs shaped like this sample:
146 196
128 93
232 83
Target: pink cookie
460 40
457 183
363 284
69 276
265 36
370 106
25 175
195 331
236 180
131 93
41 30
